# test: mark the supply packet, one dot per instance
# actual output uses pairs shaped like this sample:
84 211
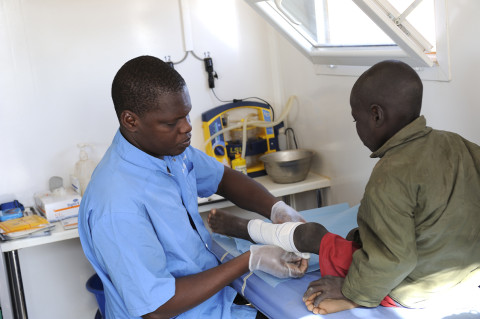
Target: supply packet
33 222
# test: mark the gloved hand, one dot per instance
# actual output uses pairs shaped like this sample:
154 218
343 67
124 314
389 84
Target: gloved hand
276 261
282 213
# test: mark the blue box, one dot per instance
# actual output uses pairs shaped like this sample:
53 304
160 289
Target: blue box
12 204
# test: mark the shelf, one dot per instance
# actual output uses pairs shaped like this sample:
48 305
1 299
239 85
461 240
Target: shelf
57 234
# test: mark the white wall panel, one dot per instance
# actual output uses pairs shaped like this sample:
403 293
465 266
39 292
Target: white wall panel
57 61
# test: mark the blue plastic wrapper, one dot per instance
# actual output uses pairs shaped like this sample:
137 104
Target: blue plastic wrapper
10 214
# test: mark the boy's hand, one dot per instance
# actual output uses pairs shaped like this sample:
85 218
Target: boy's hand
325 296
282 213
276 261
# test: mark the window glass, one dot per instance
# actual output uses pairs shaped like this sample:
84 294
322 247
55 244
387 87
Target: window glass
342 23
422 18
343 37
334 23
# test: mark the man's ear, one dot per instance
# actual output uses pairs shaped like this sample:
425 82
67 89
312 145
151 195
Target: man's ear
377 114
129 120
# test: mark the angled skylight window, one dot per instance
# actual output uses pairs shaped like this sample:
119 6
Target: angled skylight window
325 23
362 32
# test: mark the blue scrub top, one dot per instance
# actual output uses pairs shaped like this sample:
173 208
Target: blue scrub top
135 230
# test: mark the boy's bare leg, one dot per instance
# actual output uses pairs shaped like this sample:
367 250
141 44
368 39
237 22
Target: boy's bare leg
227 224
306 237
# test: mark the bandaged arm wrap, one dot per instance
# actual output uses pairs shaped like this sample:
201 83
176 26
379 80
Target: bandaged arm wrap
280 235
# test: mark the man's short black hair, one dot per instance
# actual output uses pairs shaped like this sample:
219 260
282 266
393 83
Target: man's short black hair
140 81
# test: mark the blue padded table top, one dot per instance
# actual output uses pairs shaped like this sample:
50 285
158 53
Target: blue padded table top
282 299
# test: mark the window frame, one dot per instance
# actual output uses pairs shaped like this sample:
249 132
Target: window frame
350 60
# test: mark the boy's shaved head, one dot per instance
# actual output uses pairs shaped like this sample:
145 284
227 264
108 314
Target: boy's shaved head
384 99
395 86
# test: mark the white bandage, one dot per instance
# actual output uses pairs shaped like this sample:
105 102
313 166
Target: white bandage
280 235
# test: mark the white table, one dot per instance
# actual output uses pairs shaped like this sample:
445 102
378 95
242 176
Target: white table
12 299
312 182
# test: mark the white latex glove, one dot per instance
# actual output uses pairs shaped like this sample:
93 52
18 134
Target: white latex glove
276 261
282 213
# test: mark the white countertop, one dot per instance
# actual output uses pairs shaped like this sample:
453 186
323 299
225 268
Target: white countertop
312 182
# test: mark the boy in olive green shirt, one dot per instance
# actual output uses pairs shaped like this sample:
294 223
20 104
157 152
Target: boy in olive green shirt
418 234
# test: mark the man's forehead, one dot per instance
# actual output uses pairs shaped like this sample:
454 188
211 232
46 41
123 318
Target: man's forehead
170 111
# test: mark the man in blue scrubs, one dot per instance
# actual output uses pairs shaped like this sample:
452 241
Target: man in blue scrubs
139 223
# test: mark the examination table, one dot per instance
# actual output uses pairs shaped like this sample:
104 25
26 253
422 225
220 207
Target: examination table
282 298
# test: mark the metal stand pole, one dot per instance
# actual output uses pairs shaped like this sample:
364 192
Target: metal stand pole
16 285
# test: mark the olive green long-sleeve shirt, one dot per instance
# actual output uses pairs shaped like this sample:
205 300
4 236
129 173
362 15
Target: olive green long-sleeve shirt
419 219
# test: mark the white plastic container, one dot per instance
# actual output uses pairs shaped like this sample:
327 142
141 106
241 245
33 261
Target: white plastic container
282 139
59 204
83 170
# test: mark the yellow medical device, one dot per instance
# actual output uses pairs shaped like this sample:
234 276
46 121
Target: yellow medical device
260 140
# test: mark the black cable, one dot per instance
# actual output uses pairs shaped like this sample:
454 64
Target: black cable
167 59
212 74
269 105
218 98
293 132
195 56
254 97
241 100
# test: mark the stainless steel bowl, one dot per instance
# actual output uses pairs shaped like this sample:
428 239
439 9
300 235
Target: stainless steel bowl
288 166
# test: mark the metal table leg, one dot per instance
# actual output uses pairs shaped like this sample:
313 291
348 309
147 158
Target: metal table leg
290 199
319 198
16 285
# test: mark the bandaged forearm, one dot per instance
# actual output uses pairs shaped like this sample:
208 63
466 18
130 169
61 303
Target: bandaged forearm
280 235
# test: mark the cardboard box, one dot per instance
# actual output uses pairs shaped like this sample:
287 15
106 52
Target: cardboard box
58 205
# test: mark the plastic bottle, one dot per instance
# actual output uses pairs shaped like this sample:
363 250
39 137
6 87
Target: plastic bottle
83 170
282 139
239 164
